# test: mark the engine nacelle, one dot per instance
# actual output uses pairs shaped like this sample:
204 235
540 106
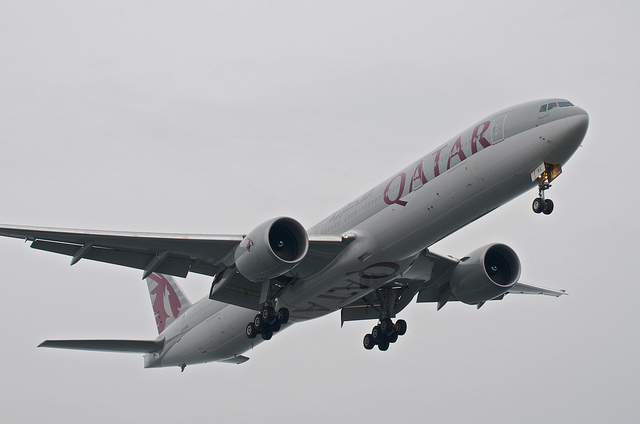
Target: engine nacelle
485 274
271 249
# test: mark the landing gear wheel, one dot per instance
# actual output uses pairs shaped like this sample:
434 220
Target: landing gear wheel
378 337
283 315
376 333
267 313
400 327
368 342
276 326
251 331
538 205
548 207
267 333
386 326
259 322
383 345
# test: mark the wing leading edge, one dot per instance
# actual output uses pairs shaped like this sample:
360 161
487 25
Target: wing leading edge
165 253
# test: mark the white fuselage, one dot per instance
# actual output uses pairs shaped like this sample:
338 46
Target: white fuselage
475 172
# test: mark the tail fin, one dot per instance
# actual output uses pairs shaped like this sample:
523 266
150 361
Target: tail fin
167 299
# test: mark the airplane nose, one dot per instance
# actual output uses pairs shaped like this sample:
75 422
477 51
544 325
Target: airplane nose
578 122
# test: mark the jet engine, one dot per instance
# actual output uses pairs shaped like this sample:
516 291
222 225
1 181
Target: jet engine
485 274
271 249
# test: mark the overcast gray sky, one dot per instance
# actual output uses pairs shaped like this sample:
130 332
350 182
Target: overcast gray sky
211 117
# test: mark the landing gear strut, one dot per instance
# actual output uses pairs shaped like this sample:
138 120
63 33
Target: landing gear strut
546 172
542 205
267 322
386 332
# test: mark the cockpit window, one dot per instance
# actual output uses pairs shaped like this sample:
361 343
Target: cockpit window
545 108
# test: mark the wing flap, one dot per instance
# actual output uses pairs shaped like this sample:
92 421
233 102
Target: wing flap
357 313
368 306
131 346
171 265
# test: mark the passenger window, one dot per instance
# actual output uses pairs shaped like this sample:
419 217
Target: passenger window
543 108
552 105
565 104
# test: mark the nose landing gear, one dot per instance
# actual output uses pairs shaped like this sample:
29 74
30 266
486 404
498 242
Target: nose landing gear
551 172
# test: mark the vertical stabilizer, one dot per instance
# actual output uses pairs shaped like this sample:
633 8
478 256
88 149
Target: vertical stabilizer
167 299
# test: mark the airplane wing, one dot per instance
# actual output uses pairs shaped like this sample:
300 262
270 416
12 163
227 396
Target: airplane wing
172 254
426 277
521 288
131 346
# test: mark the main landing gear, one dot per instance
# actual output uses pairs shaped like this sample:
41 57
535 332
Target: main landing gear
542 205
385 333
267 322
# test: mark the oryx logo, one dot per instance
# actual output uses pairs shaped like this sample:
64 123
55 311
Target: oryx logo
249 244
165 301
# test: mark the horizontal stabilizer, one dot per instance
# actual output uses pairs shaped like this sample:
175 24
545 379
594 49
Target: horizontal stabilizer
132 346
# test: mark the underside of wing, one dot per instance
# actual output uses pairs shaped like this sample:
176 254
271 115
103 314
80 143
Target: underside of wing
232 287
426 271
130 346
398 293
431 277
170 254
489 273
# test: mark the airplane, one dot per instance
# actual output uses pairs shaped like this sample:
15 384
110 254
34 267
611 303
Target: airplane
368 259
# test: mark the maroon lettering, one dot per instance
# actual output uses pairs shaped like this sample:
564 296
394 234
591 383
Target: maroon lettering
436 165
456 150
418 175
478 136
397 200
